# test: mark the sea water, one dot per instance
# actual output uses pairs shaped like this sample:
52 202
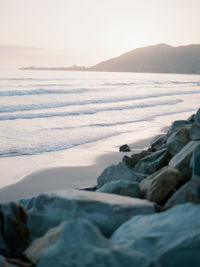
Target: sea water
43 112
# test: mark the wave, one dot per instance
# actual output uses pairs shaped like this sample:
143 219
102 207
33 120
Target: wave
15 108
87 112
40 92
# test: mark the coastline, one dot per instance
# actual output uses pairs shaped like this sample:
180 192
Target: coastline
67 177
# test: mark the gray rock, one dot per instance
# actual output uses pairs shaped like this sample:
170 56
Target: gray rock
124 148
14 234
79 243
119 172
152 163
195 162
158 141
159 185
106 211
178 125
181 160
195 131
167 239
131 161
123 188
177 141
189 192
191 118
4 262
197 116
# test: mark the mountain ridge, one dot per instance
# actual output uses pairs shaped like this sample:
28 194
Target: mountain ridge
160 58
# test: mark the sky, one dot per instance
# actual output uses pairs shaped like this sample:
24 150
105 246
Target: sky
57 33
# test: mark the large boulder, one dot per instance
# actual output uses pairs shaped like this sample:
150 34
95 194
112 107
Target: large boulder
152 163
106 211
79 243
14 233
195 131
166 239
189 192
131 161
181 160
158 186
195 162
123 188
119 172
178 140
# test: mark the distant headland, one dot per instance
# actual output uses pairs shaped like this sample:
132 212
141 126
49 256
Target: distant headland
160 58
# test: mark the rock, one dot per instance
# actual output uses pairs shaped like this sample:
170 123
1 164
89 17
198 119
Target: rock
197 116
191 118
14 234
131 161
190 192
123 188
158 141
124 148
13 263
178 125
152 163
167 239
106 211
177 141
195 162
119 172
79 243
159 185
195 131
181 160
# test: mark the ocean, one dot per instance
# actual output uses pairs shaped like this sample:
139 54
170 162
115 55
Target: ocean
44 112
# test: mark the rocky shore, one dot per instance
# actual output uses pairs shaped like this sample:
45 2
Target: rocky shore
143 212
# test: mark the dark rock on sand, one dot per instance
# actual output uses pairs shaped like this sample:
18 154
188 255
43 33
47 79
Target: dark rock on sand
124 148
123 188
178 140
179 124
14 234
106 211
181 160
119 172
152 163
167 239
197 116
159 185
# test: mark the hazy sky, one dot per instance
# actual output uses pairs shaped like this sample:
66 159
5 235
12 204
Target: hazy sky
84 32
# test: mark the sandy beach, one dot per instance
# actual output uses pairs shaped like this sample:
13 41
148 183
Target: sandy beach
69 177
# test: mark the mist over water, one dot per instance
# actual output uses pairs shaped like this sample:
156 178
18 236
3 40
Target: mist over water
45 111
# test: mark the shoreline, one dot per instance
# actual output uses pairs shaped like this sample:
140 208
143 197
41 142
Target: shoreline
66 177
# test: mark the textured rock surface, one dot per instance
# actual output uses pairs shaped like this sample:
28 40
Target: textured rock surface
106 211
159 185
195 131
153 162
88 248
124 148
123 188
177 141
181 160
190 192
131 161
14 234
179 124
167 239
119 172
197 116
158 141
195 162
